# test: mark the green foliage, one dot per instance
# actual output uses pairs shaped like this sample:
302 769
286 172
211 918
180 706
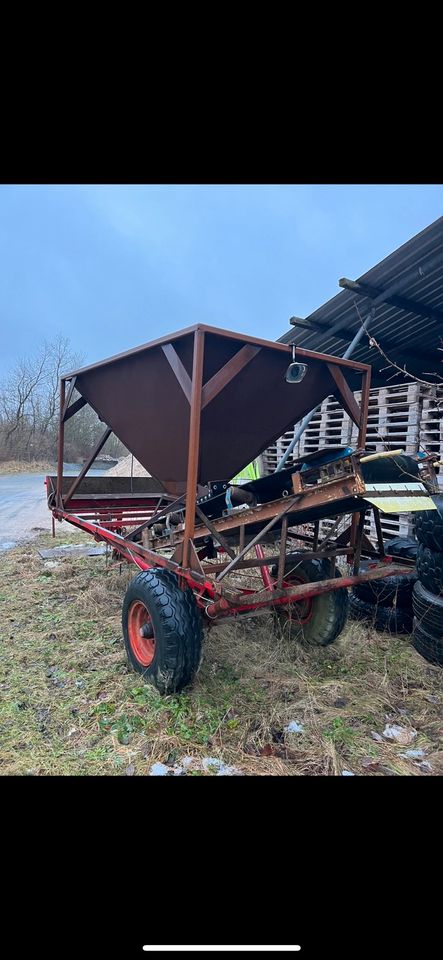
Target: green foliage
339 732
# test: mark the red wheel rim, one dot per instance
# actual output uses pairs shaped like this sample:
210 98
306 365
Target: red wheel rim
300 610
141 633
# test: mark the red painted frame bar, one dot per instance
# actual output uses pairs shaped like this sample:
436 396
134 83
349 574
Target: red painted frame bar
194 444
224 604
60 445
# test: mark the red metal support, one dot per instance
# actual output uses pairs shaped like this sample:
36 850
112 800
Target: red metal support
88 464
282 556
361 441
254 601
345 394
230 370
69 396
194 443
178 368
61 444
364 405
378 528
266 576
74 408
259 536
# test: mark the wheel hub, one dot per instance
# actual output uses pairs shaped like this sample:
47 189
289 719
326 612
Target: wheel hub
141 633
299 610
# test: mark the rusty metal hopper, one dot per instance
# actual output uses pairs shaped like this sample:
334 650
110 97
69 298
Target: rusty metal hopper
238 387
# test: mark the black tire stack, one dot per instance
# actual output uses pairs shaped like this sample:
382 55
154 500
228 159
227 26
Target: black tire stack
427 598
387 602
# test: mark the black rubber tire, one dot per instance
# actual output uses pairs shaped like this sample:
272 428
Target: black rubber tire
329 611
429 525
388 591
386 619
404 547
430 648
177 626
428 610
430 569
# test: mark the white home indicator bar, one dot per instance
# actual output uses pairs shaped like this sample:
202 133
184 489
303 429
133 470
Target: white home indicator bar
269 949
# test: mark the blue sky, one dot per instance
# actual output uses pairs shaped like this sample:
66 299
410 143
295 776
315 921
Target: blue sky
113 266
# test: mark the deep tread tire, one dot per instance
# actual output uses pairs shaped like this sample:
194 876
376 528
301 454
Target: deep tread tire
329 610
386 619
429 525
428 610
430 648
387 591
404 547
177 626
430 569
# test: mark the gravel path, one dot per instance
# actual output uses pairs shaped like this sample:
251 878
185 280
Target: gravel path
23 509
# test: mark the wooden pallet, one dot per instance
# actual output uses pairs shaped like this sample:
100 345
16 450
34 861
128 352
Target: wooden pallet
431 421
392 525
394 420
331 426
406 415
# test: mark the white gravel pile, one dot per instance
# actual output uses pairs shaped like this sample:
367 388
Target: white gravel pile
123 468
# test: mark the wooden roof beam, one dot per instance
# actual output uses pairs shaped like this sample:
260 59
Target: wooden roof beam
404 303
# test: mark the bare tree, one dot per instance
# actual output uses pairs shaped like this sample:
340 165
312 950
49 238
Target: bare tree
29 408
25 379
60 360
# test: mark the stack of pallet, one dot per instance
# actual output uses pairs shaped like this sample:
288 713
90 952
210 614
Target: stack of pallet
431 420
330 426
393 418
407 416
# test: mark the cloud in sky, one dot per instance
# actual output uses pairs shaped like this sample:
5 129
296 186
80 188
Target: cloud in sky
115 265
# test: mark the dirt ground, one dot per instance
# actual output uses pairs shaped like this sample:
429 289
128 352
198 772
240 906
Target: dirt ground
259 706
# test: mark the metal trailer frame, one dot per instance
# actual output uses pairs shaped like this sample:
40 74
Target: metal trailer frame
107 516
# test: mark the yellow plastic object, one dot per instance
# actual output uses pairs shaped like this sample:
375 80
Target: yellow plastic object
380 455
251 472
401 504
397 497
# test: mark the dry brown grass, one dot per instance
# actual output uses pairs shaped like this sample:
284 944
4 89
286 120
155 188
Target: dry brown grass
69 704
25 466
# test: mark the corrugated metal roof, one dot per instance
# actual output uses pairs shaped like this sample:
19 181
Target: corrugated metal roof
406 336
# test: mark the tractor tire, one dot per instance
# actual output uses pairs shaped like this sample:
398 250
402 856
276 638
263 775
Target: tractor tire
169 654
430 569
403 547
429 525
430 648
428 611
319 620
388 591
386 619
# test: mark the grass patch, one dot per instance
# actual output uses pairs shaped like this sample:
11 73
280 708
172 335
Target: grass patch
69 704
26 466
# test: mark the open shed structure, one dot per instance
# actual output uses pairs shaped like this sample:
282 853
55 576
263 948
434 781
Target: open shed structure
392 318
398 303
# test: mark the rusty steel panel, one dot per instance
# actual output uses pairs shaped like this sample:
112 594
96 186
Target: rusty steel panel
141 396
